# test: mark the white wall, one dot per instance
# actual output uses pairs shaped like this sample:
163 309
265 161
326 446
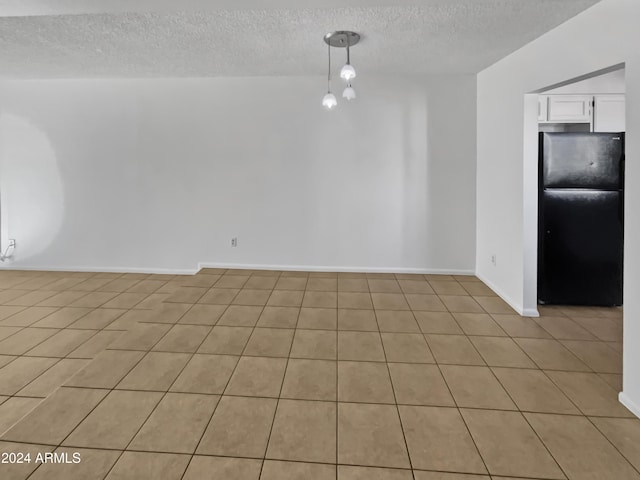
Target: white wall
602 36
611 82
161 174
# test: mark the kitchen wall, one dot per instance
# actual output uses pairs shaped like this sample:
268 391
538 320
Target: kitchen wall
602 36
159 175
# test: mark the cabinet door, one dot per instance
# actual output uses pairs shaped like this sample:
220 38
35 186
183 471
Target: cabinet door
570 108
609 113
542 107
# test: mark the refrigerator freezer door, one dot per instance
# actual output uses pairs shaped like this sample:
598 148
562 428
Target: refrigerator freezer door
582 160
581 248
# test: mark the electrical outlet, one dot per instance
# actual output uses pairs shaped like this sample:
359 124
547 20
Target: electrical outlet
493 260
12 242
234 242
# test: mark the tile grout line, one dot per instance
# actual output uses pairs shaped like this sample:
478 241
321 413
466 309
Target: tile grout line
456 401
23 354
490 409
164 395
284 374
114 389
36 378
589 419
185 366
56 363
528 423
59 359
109 390
204 431
55 447
457 407
514 402
404 437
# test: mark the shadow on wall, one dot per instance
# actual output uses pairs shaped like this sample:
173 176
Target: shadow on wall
416 163
31 194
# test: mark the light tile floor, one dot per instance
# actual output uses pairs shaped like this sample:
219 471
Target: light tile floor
247 375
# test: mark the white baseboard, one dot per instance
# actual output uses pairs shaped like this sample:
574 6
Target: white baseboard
525 312
321 268
243 266
157 271
632 406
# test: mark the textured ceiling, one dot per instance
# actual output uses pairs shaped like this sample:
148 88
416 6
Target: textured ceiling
139 38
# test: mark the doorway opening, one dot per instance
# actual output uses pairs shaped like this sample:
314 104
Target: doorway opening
566 128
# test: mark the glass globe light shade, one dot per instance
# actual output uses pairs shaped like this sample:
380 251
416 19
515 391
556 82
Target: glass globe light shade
329 101
348 72
349 93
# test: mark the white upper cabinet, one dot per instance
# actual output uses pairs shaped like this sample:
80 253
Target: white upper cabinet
603 113
609 113
569 108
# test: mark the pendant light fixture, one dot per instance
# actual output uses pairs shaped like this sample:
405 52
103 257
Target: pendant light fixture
341 39
348 72
349 93
329 102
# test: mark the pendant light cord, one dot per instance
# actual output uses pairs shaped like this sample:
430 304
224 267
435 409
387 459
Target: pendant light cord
329 74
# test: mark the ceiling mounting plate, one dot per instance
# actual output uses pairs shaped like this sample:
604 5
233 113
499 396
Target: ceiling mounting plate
342 38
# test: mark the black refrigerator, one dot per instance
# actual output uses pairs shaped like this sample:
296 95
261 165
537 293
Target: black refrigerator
580 209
